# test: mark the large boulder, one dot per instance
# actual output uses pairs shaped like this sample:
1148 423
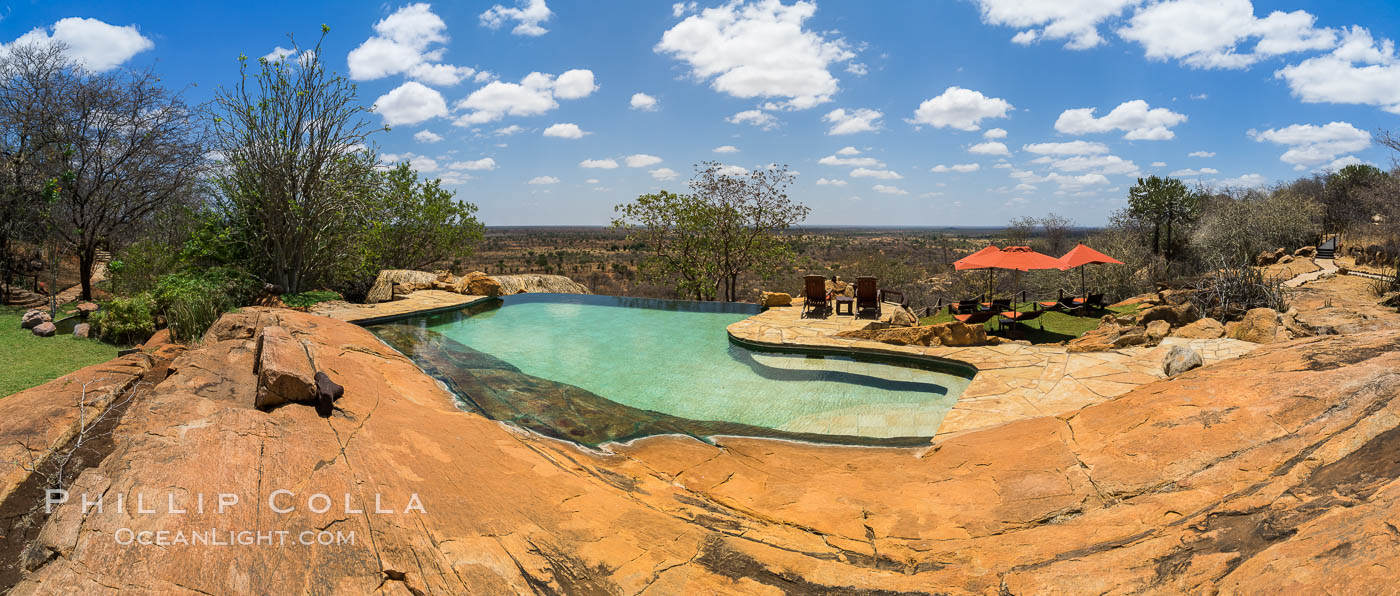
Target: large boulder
1181 359
45 329
1156 330
477 283
385 284
840 288
535 282
86 308
1206 328
771 299
284 369
1260 326
1306 252
1285 260
82 330
1098 339
953 333
1175 315
1265 259
901 316
33 318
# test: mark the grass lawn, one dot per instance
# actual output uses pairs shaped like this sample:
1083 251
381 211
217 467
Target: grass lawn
27 360
1057 326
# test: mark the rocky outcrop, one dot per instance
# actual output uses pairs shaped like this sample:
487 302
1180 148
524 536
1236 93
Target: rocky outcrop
1176 315
33 318
477 283
900 316
86 308
954 333
1273 472
1206 328
383 289
45 329
1181 359
284 369
1260 326
1109 335
771 299
1306 252
1157 330
534 282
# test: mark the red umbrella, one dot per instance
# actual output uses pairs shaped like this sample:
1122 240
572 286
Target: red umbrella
974 261
1018 258
1080 256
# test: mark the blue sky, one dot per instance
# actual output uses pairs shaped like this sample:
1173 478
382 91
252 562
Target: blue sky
931 112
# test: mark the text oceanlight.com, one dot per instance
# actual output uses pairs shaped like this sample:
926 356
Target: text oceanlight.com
278 502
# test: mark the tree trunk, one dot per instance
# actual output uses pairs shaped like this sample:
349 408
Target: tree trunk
1157 239
86 256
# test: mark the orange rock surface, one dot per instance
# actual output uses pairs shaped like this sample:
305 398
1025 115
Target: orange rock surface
1275 472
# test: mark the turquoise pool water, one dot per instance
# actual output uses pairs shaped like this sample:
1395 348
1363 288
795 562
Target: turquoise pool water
675 358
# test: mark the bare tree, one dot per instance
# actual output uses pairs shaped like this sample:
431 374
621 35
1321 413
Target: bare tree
1056 230
295 169
33 79
131 148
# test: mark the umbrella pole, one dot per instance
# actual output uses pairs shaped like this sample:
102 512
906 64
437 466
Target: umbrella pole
1083 285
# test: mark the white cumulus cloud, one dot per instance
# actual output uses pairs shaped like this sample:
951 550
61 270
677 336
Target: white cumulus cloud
994 133
1076 21
527 15
1310 145
1067 148
759 49
830 182
96 45
963 109
533 95
663 174
598 164
641 160
726 149
1190 173
1360 71
757 118
484 163
1201 154
889 190
989 148
1139 121
410 103
1212 33
845 122
426 136
543 180
960 168
881 174
643 102
407 42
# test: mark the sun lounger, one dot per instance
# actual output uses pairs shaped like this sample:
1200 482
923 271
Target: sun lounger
1016 318
997 305
964 307
1095 301
977 318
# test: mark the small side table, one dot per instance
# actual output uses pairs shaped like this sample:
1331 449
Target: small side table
848 302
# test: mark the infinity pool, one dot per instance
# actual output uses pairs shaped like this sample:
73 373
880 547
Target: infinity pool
672 358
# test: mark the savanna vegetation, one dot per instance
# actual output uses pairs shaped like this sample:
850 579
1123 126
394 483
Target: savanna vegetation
272 187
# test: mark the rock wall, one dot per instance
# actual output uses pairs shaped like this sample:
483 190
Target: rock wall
1271 473
534 282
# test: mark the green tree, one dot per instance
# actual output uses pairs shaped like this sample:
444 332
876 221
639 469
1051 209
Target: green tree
727 226
414 224
1165 205
1343 199
295 177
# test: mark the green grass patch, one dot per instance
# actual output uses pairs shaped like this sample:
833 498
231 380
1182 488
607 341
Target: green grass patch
1051 327
28 360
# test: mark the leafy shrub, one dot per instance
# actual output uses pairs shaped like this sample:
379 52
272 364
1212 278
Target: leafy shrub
138 266
126 320
309 299
191 302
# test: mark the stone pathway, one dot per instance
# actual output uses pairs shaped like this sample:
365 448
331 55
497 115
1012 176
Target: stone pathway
1014 381
1328 267
417 302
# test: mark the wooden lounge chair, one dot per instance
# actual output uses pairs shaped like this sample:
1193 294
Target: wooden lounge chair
1064 304
893 297
867 296
1016 318
814 295
997 305
1095 301
977 318
964 307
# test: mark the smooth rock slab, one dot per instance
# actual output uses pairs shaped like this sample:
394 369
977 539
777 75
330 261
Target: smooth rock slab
45 329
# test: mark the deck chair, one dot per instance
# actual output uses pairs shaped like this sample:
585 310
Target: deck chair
814 292
964 307
977 318
1068 304
867 296
1017 318
1095 301
998 305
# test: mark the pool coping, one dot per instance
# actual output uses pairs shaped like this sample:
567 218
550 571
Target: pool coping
940 364
366 322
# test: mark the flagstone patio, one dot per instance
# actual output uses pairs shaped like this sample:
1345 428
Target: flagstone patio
419 302
1014 381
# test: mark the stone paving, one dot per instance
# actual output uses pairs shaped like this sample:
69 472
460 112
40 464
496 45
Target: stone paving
416 302
1014 381
1328 267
